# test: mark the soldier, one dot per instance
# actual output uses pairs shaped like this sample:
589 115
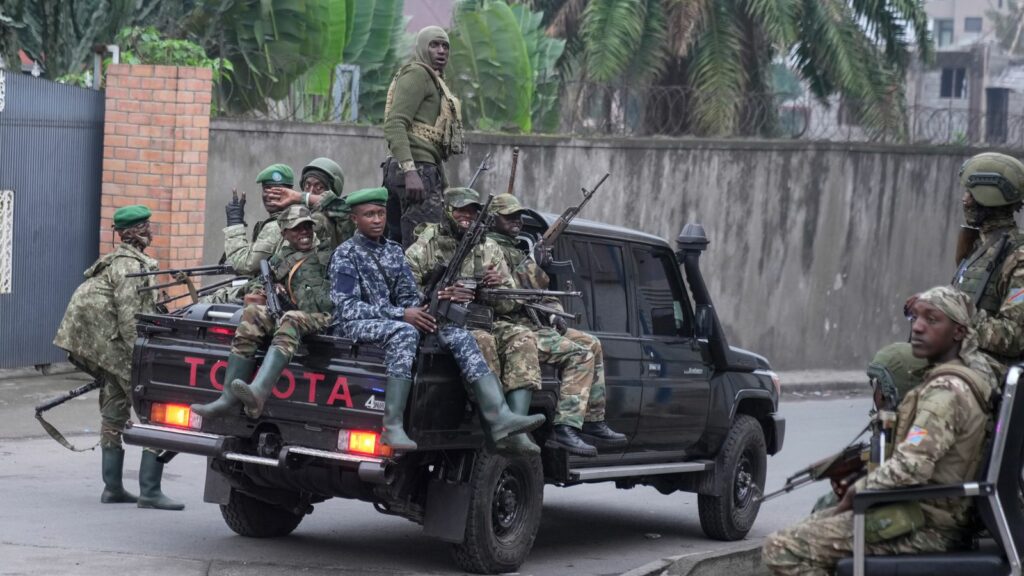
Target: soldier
322 182
941 427
993 275
300 270
510 348
423 128
242 254
98 333
577 354
376 301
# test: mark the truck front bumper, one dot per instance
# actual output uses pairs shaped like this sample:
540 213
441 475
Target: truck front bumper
370 468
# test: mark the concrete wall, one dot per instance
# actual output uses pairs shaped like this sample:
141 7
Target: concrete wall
814 246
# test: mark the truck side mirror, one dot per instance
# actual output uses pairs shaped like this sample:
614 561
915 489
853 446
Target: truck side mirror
704 322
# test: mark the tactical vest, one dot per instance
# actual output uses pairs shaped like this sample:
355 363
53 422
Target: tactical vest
301 272
446 134
976 269
441 247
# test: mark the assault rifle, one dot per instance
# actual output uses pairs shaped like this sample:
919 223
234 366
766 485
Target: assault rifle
547 241
57 401
485 165
184 276
267 279
847 464
446 274
532 299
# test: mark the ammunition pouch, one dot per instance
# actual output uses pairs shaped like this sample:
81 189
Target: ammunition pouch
892 521
479 317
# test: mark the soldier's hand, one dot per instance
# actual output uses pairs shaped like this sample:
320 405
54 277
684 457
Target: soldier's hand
420 319
414 191
542 255
235 209
255 298
847 502
559 324
457 293
279 197
491 278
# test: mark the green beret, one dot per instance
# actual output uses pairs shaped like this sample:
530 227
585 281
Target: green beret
293 216
276 174
506 205
460 197
128 216
377 196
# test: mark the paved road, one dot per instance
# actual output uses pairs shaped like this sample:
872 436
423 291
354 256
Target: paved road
51 521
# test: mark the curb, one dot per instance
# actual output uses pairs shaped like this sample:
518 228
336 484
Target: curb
811 384
39 371
740 560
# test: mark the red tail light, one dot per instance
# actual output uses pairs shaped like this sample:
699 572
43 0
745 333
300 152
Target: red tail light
221 331
176 415
362 442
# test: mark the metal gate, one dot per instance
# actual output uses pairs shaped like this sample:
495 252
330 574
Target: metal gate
51 161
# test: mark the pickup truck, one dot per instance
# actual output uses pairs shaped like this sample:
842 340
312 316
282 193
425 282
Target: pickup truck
701 416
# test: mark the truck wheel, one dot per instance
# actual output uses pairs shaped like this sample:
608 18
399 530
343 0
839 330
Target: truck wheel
504 514
254 518
739 478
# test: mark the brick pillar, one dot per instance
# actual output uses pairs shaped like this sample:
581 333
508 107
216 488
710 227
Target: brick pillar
155 144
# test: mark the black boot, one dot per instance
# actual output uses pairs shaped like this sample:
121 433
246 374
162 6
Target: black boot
113 489
254 395
396 396
150 472
239 368
501 422
519 444
600 434
567 438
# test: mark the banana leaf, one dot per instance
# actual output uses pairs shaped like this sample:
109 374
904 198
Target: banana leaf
334 28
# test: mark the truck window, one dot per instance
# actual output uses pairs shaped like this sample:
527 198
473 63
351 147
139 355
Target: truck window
661 303
602 277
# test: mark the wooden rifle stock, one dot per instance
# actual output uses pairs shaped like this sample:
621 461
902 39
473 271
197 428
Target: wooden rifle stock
512 175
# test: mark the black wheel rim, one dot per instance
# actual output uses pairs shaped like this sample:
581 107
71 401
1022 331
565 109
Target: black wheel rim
743 484
509 503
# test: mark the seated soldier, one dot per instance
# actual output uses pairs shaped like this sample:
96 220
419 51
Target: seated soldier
300 271
578 355
376 301
941 428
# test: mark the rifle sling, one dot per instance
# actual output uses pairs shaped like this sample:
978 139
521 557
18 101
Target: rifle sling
52 430
291 273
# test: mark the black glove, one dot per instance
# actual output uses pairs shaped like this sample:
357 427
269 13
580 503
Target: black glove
235 209
559 324
542 255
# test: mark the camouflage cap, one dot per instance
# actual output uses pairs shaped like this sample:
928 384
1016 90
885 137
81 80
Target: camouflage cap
293 216
460 197
506 205
993 179
128 216
897 370
953 303
276 174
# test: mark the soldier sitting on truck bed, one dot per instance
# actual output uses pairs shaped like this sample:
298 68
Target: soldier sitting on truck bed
299 269
509 348
376 301
577 354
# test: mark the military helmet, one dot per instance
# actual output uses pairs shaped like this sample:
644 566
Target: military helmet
993 179
896 370
329 167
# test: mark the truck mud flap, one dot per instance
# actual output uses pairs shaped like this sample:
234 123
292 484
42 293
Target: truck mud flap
447 510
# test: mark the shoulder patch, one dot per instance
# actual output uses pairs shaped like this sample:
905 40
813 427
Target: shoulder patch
1015 297
916 435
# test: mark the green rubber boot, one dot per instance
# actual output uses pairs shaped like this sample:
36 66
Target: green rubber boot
150 472
494 411
396 396
239 368
519 444
254 395
113 489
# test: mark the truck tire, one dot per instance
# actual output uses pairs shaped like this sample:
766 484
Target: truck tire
739 479
504 514
254 518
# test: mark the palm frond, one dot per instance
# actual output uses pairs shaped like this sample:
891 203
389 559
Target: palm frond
717 76
684 19
611 32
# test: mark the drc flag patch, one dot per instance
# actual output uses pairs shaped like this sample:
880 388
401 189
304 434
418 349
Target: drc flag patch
1016 298
916 436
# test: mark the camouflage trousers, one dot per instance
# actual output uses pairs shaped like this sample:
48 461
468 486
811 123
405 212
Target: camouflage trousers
415 213
511 352
815 545
580 360
464 348
115 402
257 326
399 340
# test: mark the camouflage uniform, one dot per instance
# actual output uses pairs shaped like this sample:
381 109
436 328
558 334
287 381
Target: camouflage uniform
510 348
577 354
98 330
244 255
330 214
941 430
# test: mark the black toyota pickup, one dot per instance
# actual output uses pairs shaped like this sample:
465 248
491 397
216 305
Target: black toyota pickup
701 416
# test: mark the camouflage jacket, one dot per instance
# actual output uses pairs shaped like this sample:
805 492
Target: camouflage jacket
941 430
525 272
434 245
304 277
371 280
99 324
244 255
333 224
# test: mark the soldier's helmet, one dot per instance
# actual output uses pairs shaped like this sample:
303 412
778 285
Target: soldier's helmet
993 179
330 168
896 370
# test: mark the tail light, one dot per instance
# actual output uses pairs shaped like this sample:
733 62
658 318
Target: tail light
177 415
221 331
362 442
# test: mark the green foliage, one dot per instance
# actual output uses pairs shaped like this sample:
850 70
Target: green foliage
146 46
9 38
335 30
378 45
544 54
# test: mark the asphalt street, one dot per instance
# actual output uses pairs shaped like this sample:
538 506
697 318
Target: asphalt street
51 521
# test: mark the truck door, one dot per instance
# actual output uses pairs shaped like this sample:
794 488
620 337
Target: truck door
675 377
601 275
